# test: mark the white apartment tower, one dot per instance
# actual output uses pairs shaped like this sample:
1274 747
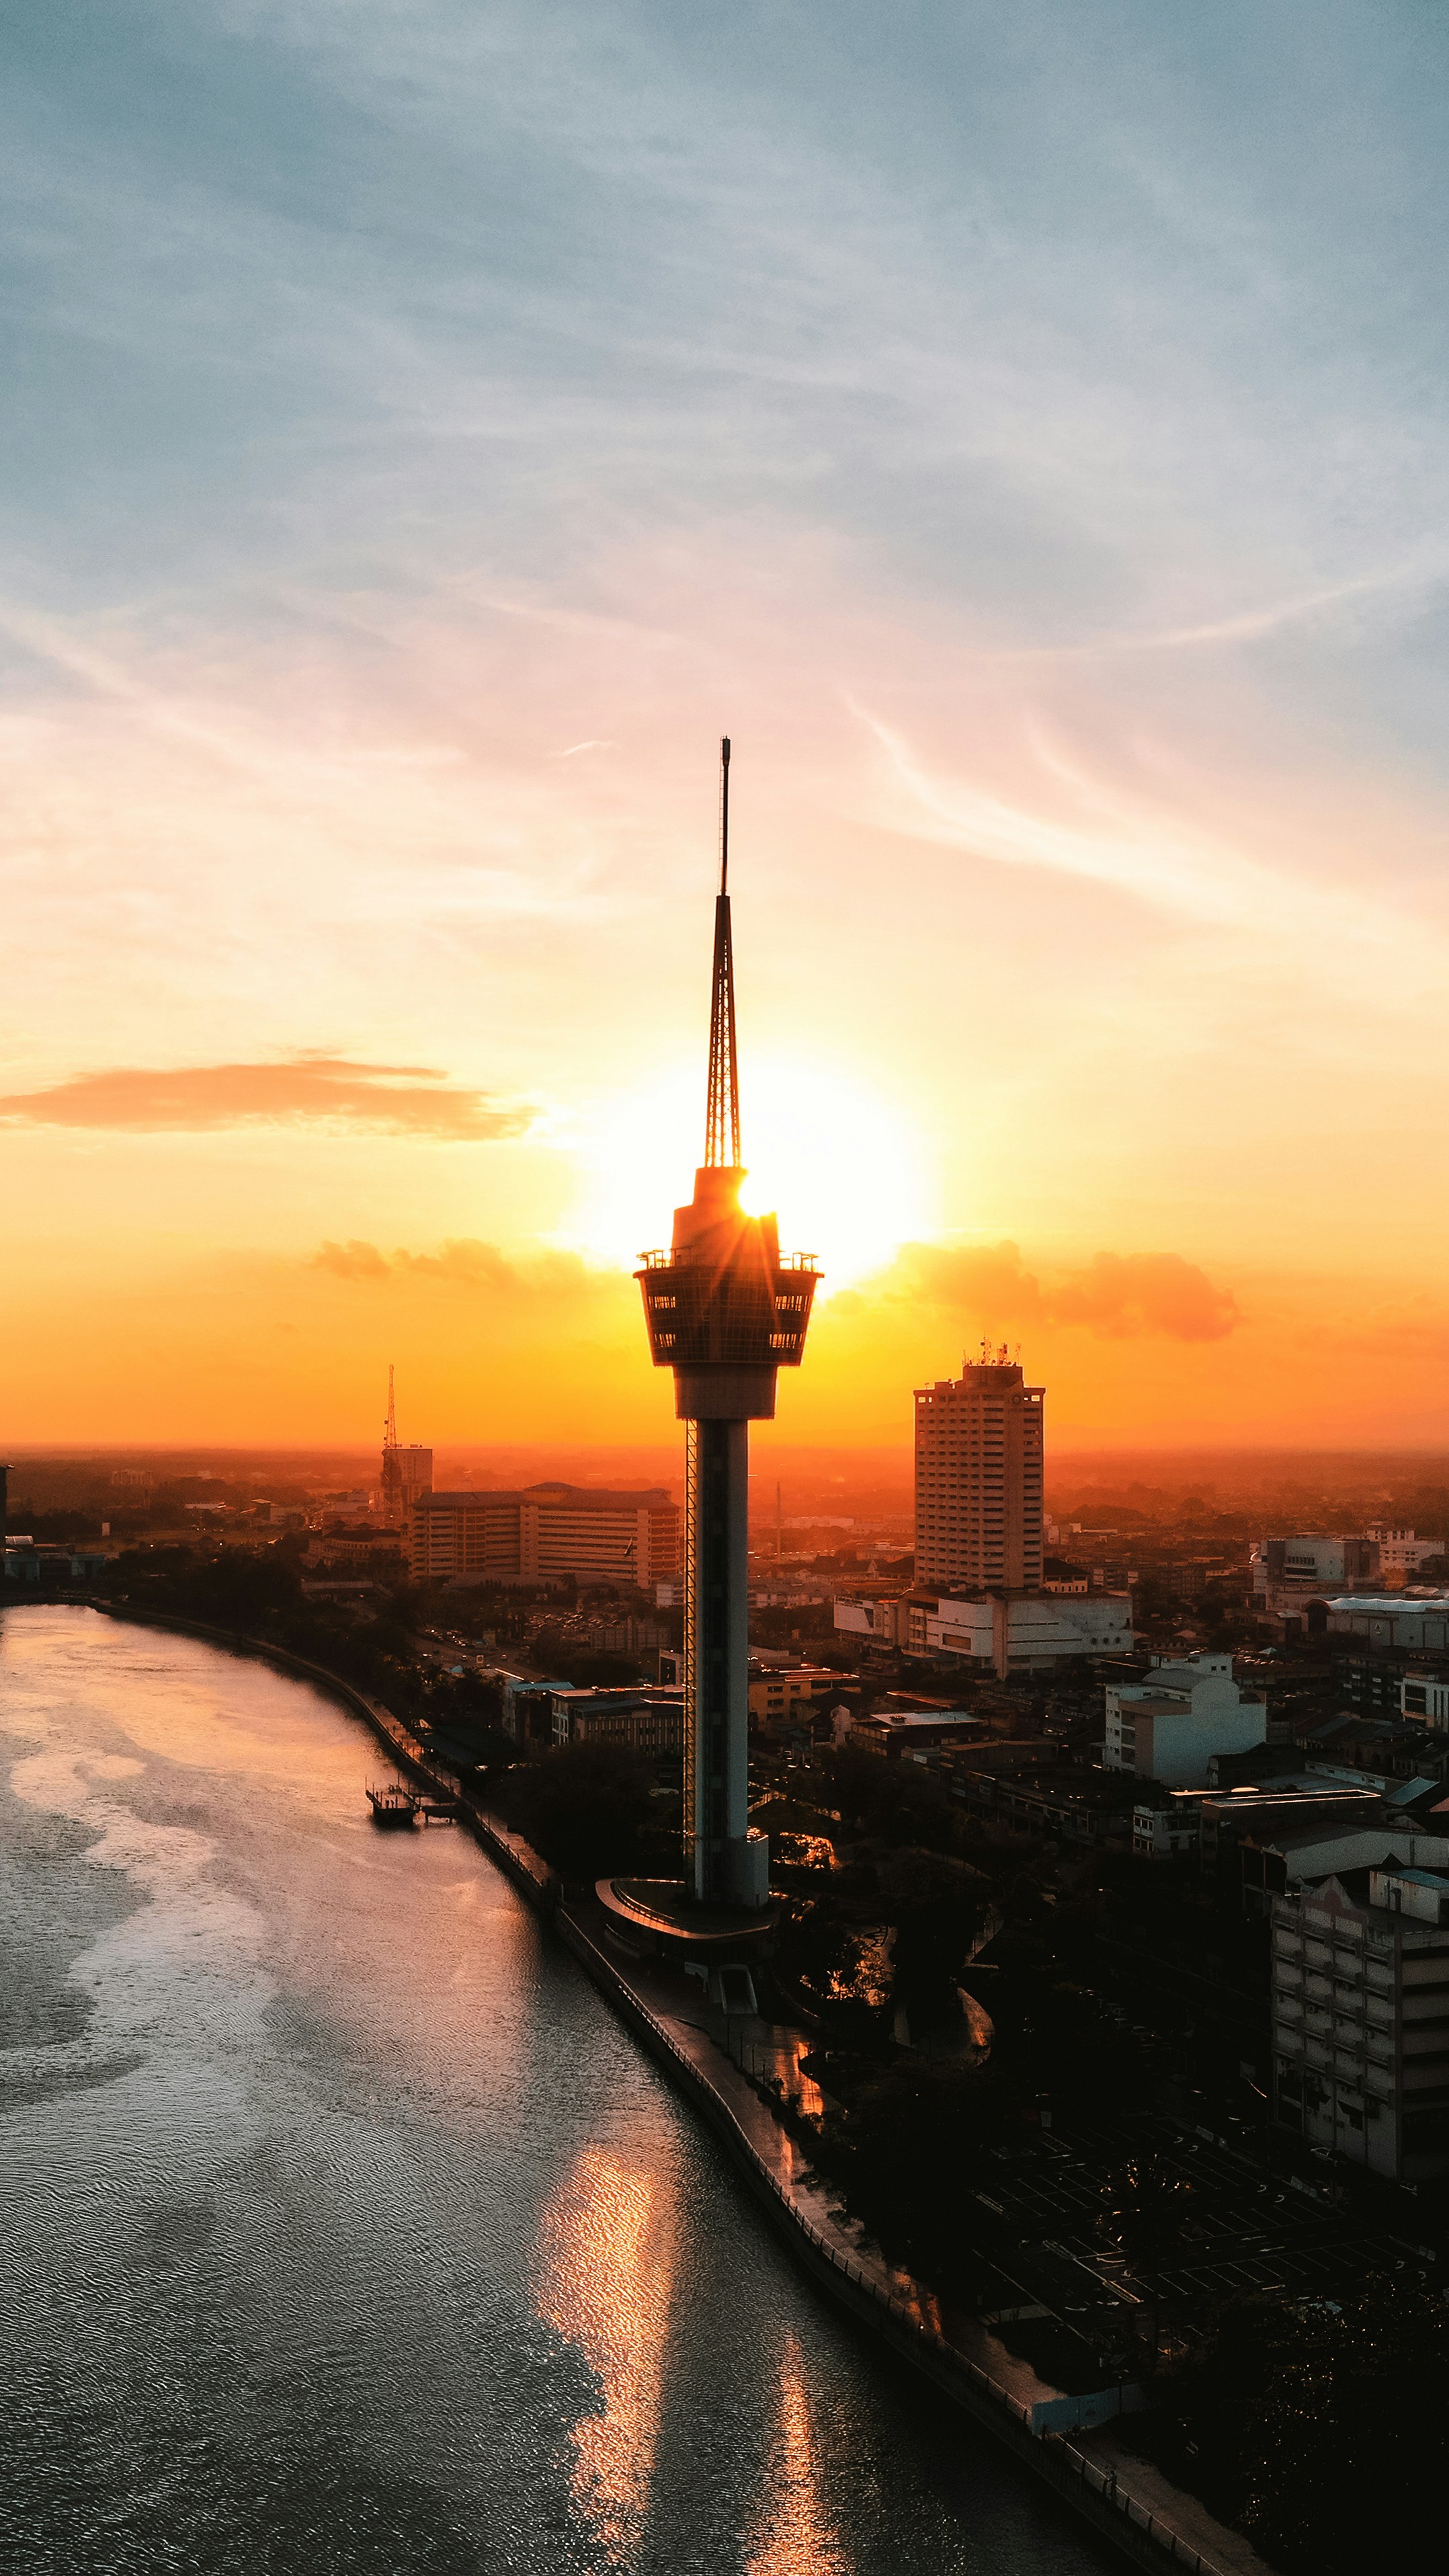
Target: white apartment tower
979 1478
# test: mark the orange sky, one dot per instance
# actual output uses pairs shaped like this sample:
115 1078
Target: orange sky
1031 473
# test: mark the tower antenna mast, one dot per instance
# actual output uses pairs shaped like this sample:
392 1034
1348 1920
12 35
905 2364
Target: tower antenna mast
722 1120
389 1436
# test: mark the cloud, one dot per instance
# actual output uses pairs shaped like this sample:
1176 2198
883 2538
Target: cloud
351 1261
305 1089
1121 1294
1426 571
1160 856
1170 868
1118 1296
988 1279
463 1262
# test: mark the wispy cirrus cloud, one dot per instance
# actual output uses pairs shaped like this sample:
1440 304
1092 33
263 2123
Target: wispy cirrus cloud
1073 824
1424 571
1117 1295
297 1090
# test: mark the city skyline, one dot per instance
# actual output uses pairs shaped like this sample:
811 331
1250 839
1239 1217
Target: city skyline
1003 432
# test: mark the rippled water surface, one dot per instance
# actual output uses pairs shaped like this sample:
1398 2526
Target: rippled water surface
346 2230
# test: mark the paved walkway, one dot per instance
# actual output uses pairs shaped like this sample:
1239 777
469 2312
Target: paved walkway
1184 2513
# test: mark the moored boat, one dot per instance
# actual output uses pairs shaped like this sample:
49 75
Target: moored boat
394 1808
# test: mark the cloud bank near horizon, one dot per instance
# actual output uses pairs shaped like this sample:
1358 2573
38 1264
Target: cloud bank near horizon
1117 1295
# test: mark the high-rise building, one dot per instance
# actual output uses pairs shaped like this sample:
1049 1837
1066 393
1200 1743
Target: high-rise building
979 1478
407 1469
1361 2010
724 1312
407 1474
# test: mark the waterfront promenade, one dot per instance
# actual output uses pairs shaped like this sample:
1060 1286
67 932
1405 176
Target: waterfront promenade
1125 2499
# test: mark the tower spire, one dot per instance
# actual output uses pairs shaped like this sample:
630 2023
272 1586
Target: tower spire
722 1122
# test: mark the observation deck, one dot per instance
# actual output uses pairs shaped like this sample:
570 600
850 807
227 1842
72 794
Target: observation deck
724 1309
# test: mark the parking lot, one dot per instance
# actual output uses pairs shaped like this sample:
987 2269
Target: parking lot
1241 2230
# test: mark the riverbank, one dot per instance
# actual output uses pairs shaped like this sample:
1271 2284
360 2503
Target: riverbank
1145 2519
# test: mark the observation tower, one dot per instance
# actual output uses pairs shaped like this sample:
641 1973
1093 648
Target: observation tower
724 1311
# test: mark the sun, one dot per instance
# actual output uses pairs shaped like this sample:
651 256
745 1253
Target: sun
839 1164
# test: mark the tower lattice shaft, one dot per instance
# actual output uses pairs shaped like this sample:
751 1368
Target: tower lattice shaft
722 1122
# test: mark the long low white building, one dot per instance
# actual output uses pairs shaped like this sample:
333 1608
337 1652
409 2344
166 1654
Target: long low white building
1001 1632
543 1534
1312 1852
1416 1624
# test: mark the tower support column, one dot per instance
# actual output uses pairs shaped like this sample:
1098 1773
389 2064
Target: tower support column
728 1866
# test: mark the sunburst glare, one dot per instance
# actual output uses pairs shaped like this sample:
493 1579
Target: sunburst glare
838 1161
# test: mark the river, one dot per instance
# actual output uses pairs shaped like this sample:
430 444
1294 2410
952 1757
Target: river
346 2231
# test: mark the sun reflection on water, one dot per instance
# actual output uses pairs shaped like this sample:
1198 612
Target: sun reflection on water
794 2536
606 2272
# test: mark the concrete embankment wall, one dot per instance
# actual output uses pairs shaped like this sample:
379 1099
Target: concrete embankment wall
1096 2495
1091 2492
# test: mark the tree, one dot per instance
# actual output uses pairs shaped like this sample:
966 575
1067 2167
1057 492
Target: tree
1146 2204
897 1801
907 2138
937 1905
829 1958
56 1529
1309 2422
241 1588
583 1807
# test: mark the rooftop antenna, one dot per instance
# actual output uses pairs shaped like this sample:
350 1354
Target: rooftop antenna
389 1430
722 1121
